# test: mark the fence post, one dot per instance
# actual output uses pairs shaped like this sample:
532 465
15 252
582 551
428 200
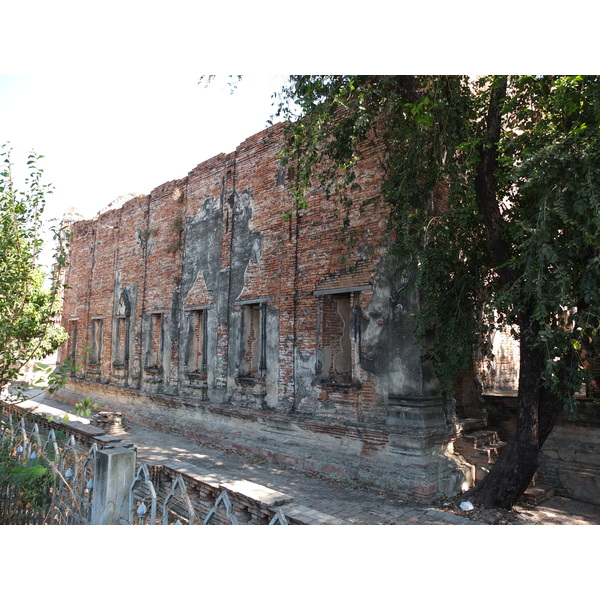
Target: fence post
113 476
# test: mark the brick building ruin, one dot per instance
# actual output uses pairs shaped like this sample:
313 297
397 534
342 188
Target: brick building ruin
201 310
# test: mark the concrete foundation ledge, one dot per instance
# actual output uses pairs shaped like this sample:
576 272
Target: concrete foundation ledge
260 494
353 452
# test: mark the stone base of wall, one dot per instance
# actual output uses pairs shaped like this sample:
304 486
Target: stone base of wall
417 465
570 461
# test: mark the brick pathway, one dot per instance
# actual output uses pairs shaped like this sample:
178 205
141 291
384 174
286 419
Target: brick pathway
334 502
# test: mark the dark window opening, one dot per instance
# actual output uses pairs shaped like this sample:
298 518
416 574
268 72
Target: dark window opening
253 363
121 333
335 341
72 349
96 342
121 342
196 347
155 342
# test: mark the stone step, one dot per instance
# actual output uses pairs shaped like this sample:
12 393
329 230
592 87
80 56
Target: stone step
537 494
479 447
491 450
470 424
483 437
484 455
478 439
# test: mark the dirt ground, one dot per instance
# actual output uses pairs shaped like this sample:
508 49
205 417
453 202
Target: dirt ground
554 511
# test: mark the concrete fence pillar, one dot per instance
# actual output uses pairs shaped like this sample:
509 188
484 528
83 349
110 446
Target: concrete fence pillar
114 474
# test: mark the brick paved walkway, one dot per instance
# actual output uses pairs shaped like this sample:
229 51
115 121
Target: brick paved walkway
333 502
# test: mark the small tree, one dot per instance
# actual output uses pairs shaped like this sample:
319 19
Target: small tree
28 304
494 192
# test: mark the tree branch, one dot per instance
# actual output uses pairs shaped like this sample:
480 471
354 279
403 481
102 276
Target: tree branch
485 184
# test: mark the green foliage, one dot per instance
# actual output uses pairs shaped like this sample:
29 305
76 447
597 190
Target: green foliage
84 409
52 379
435 136
555 221
31 483
27 304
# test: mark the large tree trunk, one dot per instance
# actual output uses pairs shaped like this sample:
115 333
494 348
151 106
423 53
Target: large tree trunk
550 410
537 412
518 461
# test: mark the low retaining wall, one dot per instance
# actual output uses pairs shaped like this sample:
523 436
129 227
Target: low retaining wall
251 503
570 461
85 435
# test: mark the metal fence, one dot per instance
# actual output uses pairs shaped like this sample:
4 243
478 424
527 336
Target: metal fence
64 495
158 495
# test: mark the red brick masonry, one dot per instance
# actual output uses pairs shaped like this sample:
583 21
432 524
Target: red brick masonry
200 305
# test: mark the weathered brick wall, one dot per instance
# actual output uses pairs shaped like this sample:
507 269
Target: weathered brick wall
140 264
214 249
501 373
